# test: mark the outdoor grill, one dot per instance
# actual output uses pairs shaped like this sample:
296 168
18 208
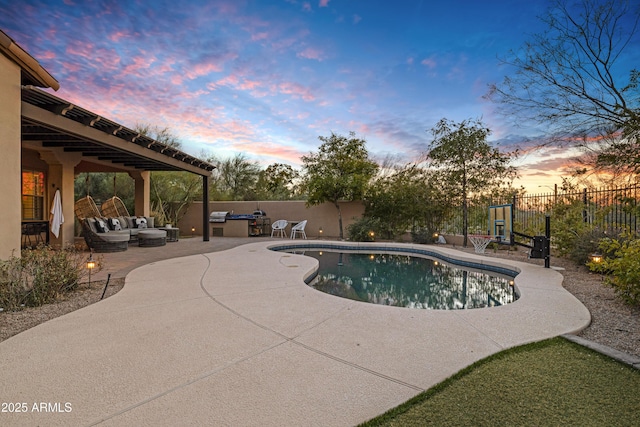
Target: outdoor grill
218 216
255 224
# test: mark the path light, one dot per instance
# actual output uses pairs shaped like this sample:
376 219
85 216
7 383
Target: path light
595 258
372 234
91 264
320 232
193 230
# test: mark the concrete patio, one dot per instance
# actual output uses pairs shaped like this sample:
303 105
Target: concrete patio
236 338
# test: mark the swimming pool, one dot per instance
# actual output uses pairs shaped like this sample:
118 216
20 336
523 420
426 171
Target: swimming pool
413 278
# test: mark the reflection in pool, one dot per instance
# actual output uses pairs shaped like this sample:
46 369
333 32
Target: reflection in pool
407 281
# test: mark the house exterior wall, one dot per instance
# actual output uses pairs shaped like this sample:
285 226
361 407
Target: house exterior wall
10 131
323 216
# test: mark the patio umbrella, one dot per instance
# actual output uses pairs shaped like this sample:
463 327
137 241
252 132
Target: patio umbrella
57 218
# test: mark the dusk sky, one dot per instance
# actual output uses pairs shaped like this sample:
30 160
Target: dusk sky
267 77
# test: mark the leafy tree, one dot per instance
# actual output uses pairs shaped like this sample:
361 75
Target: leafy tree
103 185
466 163
163 135
172 193
339 171
277 182
570 80
235 178
409 199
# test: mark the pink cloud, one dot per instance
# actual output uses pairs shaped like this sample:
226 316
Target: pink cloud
356 19
429 63
323 3
311 53
290 88
259 36
115 37
47 55
306 6
266 149
202 70
140 65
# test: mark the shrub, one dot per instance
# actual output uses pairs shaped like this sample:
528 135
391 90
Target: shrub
40 276
422 235
360 230
621 264
587 242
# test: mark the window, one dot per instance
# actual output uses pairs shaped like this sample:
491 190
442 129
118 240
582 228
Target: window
32 195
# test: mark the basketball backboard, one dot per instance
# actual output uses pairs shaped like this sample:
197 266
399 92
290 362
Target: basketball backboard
501 222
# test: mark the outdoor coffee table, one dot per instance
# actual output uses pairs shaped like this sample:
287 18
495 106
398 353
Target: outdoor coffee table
173 233
152 237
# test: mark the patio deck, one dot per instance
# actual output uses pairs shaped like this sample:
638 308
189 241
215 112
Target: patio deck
235 337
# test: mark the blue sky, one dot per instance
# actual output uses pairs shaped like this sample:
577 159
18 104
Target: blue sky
266 78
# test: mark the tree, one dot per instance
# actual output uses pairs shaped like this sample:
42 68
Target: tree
466 163
162 135
408 199
172 193
339 171
570 80
103 185
277 182
234 178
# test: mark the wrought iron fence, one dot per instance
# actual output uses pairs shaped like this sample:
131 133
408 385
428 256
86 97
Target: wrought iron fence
606 208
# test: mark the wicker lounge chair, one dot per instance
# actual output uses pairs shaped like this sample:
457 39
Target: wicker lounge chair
113 241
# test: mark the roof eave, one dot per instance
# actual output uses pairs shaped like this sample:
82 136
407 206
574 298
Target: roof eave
28 63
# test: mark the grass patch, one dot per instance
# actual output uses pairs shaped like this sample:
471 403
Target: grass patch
553 382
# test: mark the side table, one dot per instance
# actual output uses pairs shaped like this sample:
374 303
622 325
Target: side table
173 233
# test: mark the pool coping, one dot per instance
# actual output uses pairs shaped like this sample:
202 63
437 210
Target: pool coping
237 338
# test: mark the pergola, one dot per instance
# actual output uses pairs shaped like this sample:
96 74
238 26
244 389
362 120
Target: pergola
45 135
52 124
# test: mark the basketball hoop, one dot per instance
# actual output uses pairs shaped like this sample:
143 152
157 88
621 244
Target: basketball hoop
480 242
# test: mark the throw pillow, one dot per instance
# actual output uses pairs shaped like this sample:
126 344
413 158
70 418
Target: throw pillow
101 226
115 224
141 222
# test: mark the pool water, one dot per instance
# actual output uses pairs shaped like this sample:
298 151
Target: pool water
408 281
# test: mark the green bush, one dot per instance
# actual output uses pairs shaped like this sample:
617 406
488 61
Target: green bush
40 276
423 235
360 230
621 264
587 242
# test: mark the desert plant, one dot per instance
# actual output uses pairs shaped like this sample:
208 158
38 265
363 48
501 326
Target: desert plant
621 264
40 276
362 229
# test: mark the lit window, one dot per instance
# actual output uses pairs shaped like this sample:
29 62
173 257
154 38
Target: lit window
32 195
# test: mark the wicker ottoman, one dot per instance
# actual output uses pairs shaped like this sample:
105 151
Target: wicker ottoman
152 237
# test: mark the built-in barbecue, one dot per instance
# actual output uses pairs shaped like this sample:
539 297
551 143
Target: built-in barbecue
228 224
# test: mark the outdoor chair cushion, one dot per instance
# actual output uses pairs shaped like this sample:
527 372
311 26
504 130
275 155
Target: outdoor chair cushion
123 222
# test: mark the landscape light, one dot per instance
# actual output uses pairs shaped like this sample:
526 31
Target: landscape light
91 264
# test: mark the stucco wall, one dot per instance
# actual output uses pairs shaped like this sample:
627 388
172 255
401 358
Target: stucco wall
10 107
323 216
